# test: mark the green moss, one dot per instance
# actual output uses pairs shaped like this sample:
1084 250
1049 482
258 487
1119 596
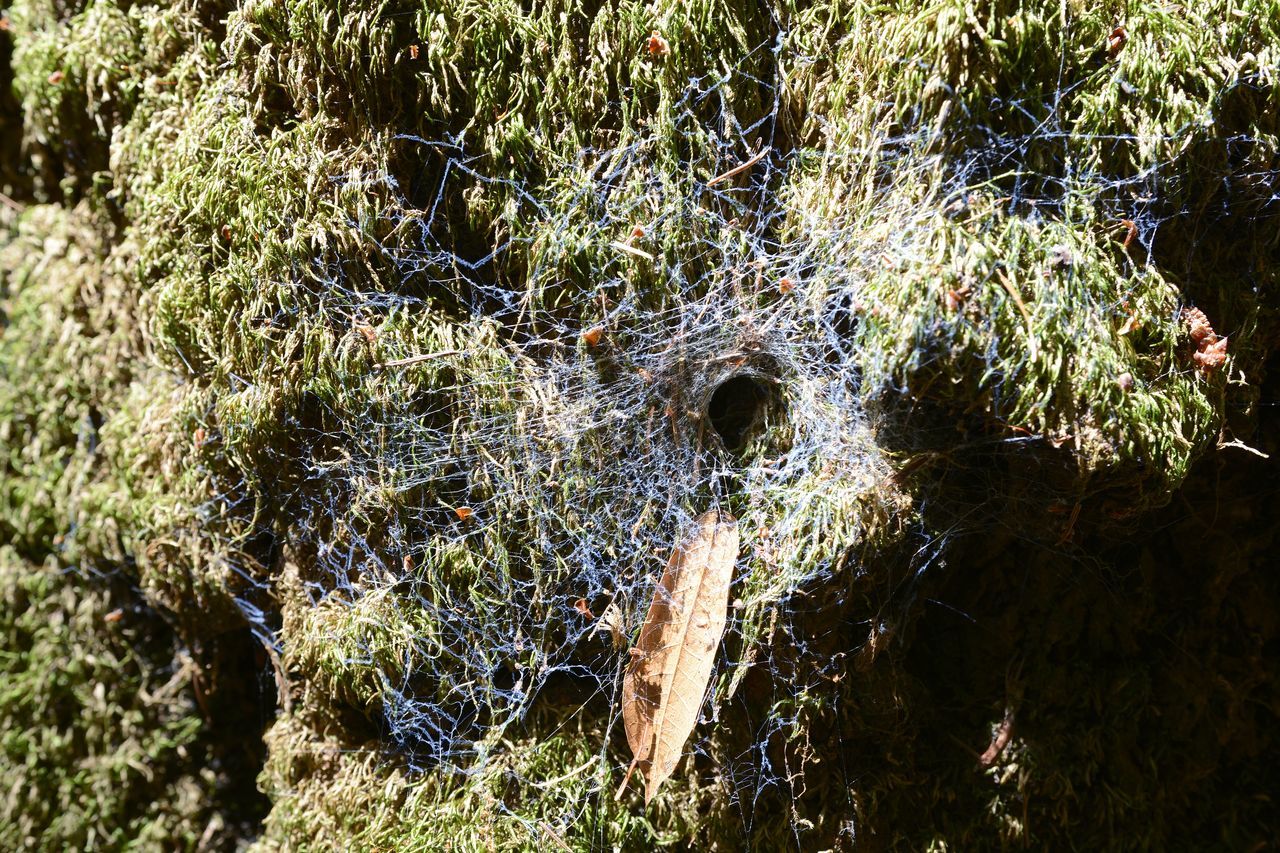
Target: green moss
102 742
236 214
62 351
533 792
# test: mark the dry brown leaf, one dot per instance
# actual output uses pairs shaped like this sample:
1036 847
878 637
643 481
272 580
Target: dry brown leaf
671 664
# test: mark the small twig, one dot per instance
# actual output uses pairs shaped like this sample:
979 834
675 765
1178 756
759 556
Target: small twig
415 359
546 828
1242 446
551 783
622 789
741 167
210 830
281 677
1071 525
999 740
11 204
1022 309
631 250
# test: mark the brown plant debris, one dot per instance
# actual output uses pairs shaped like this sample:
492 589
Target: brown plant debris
671 663
1211 349
999 740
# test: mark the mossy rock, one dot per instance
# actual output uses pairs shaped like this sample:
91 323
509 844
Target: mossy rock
371 354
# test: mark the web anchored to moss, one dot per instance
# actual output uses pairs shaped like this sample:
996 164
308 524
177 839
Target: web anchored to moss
415 337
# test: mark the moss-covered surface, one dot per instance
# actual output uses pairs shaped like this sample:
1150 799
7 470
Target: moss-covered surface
958 268
104 742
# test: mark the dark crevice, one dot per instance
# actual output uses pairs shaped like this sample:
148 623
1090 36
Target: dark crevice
14 180
737 409
231 688
236 692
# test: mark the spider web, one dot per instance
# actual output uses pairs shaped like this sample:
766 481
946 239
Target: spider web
488 504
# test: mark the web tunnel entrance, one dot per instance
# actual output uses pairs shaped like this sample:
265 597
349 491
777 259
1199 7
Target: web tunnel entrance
737 408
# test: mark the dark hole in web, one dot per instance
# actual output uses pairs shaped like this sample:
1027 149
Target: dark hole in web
736 407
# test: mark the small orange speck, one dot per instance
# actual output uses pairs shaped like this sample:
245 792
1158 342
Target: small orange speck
593 335
114 616
464 512
1116 41
582 607
225 231
638 231
1199 327
198 438
413 51
56 77
786 285
657 45
1211 355
1131 232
